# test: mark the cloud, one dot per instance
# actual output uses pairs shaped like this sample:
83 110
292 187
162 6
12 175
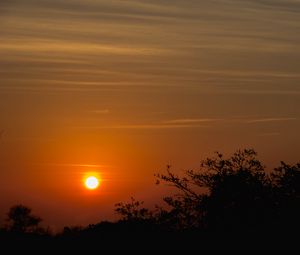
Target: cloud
144 126
260 92
280 5
65 47
229 119
269 120
75 165
80 165
190 121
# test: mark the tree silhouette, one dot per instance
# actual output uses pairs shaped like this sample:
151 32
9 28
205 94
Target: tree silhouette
21 220
231 194
286 183
225 194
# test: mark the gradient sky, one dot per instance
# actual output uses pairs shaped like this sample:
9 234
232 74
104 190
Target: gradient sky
125 87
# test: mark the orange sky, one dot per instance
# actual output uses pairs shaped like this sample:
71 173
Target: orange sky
124 88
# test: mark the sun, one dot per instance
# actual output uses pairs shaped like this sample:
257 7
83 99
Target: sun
91 182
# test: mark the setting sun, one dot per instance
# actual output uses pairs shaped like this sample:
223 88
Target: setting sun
91 182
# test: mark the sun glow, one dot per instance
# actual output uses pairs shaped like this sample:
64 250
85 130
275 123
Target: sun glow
91 182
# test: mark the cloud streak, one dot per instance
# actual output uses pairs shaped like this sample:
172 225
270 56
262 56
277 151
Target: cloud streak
144 126
190 121
79 165
263 120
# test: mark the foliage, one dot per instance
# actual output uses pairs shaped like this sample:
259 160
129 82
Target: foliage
21 220
133 211
233 193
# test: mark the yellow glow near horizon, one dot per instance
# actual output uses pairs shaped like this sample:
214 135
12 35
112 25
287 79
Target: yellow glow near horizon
91 182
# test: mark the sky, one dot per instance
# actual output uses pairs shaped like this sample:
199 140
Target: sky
125 87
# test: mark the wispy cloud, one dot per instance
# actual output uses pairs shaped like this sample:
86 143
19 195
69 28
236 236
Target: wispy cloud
79 48
245 119
159 126
103 111
144 126
74 165
259 92
190 121
279 5
261 120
